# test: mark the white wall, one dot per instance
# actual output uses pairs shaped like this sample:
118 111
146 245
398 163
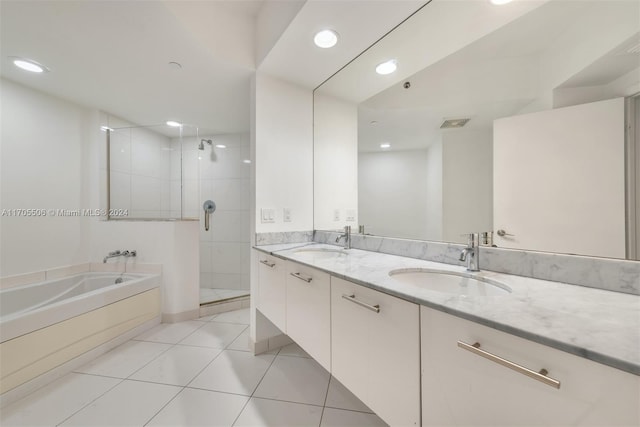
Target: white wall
467 183
224 179
559 180
42 140
393 190
283 153
335 157
434 196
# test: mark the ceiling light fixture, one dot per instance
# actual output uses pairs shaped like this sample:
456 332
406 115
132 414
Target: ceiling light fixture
173 124
106 128
247 161
500 2
387 67
29 65
221 146
385 145
325 39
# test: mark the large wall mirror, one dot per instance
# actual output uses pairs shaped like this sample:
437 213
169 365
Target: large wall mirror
518 118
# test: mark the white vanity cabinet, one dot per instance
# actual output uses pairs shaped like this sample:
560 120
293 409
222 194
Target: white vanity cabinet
462 388
376 351
308 311
272 289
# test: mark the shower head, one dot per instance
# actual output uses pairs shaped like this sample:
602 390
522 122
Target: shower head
202 141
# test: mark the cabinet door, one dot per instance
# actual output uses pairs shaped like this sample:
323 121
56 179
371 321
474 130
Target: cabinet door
308 311
272 290
461 388
376 350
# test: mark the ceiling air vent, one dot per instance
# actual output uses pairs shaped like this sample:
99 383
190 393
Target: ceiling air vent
453 123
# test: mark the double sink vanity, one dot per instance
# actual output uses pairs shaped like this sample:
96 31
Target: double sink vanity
427 343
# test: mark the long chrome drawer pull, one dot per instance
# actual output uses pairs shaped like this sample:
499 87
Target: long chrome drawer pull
353 299
301 277
267 263
540 376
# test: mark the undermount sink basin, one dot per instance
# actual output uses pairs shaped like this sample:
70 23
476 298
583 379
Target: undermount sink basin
321 253
450 282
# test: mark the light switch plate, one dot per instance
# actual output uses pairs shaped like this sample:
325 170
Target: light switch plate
267 215
286 214
351 215
336 215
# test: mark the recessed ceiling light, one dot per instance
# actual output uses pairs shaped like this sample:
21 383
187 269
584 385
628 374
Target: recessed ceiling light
29 65
175 65
385 145
173 124
387 67
246 161
374 122
500 2
326 39
221 146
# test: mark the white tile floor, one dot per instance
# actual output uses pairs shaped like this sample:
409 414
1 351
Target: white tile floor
194 373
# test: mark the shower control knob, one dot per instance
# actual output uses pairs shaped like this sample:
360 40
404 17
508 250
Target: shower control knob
209 207
503 233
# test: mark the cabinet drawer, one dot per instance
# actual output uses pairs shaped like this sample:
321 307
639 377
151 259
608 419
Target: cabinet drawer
376 350
308 311
462 387
272 288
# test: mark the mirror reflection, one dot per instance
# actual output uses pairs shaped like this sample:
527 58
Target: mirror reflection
512 120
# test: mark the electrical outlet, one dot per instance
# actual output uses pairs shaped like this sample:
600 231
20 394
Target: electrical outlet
286 214
267 215
351 215
336 215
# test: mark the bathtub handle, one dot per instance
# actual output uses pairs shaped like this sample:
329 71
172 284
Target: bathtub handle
209 207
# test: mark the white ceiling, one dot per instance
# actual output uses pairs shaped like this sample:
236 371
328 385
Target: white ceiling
511 70
114 55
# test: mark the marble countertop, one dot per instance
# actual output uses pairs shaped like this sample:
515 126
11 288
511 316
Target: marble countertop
600 325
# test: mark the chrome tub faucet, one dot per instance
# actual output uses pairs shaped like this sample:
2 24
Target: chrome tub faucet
117 253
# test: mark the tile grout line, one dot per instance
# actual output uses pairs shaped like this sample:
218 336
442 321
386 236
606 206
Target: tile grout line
89 403
326 396
194 377
256 387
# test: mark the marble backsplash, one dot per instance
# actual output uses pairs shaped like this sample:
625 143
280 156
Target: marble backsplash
283 237
604 273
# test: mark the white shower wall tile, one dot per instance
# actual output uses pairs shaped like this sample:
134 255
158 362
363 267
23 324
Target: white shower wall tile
146 193
226 226
120 150
205 258
120 190
226 257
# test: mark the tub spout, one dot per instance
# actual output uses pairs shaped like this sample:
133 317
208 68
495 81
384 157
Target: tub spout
112 254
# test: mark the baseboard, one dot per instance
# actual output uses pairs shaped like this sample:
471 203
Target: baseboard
180 317
268 344
224 306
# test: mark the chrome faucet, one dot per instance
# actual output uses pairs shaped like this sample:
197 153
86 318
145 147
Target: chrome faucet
471 253
346 236
117 253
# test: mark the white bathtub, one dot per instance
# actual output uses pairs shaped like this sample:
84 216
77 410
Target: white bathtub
24 309
45 325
